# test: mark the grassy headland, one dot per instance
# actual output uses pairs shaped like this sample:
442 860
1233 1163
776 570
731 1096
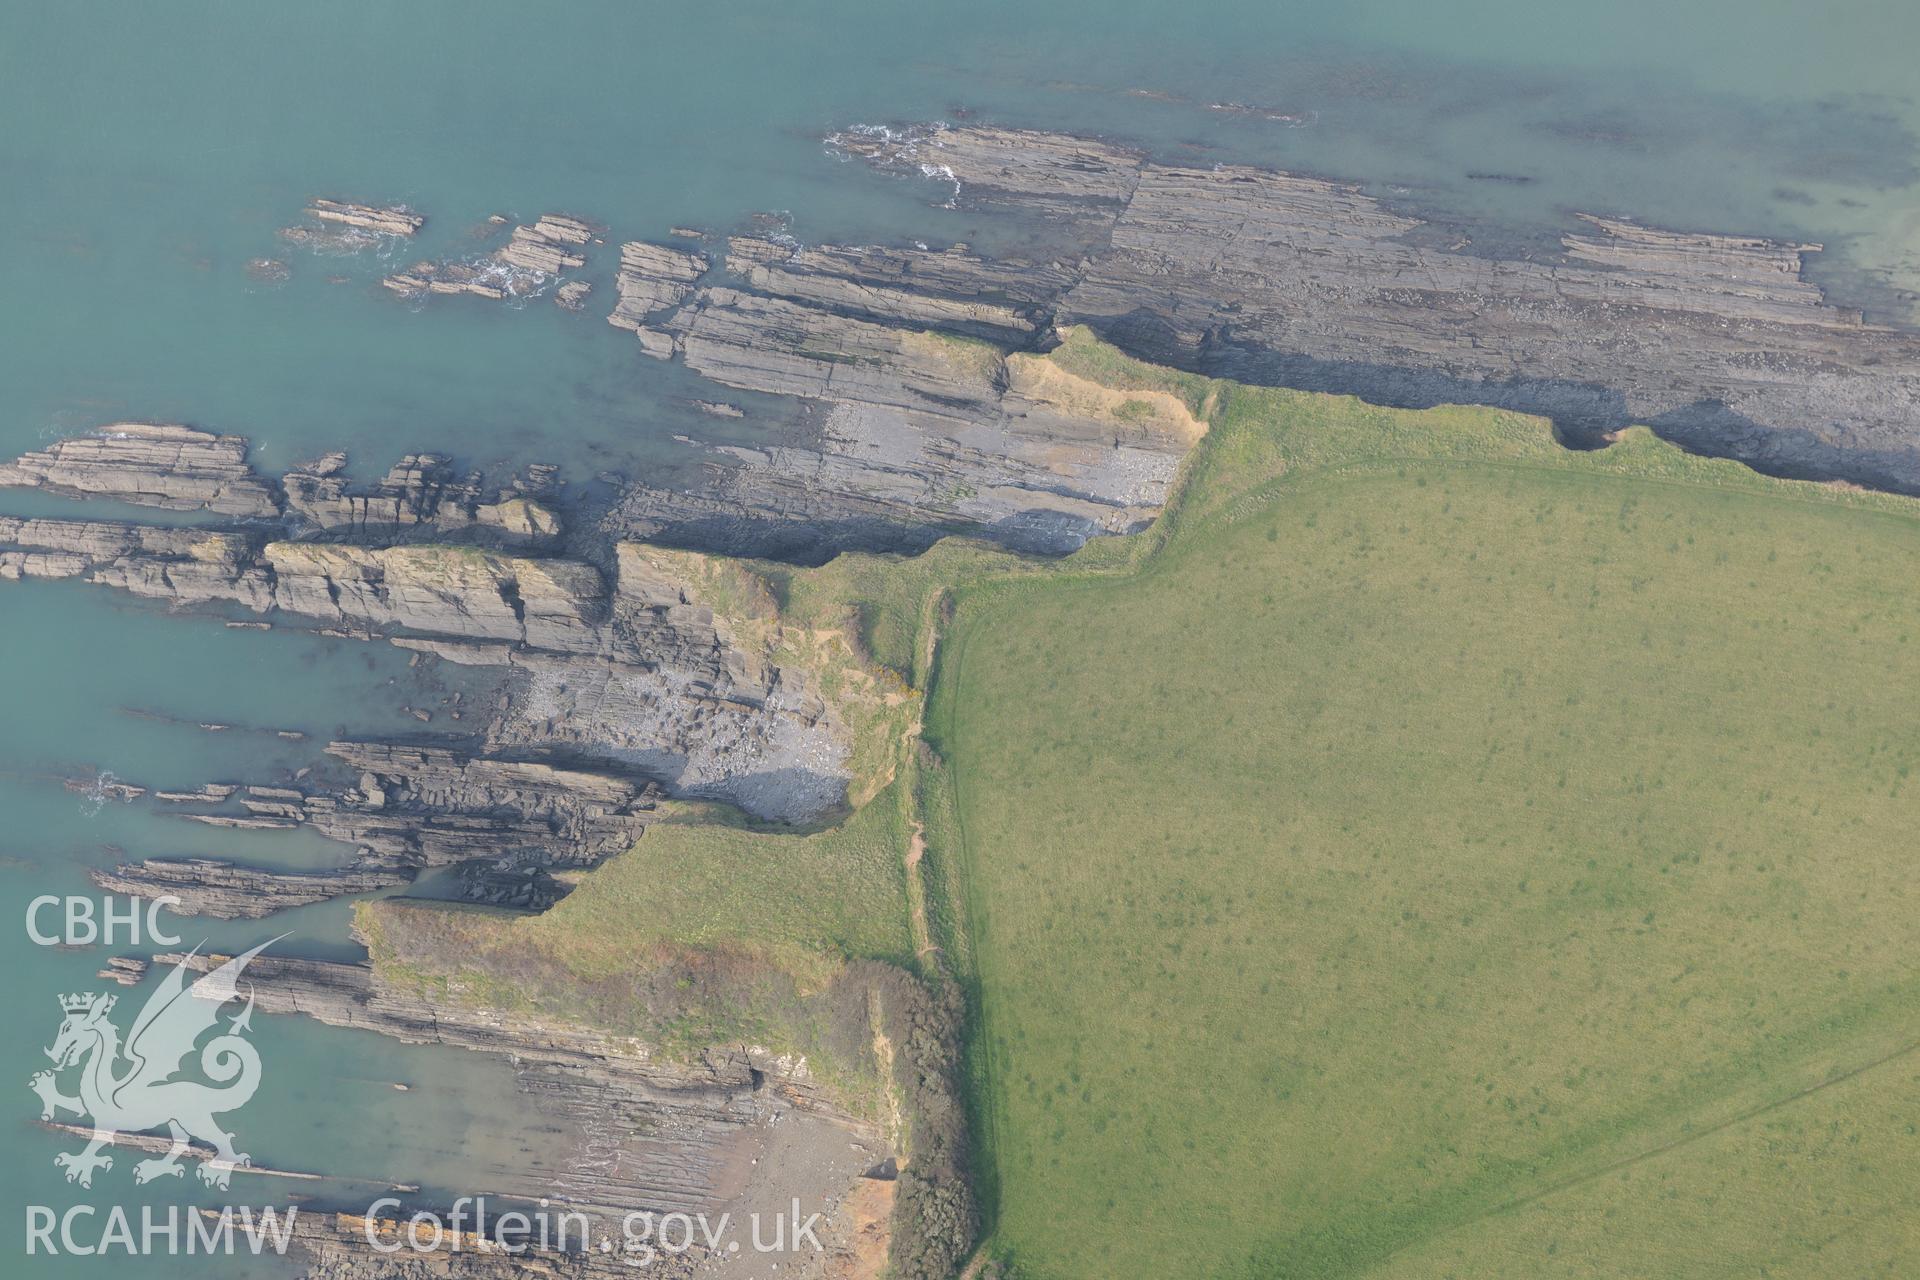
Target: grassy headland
1443 853
1425 851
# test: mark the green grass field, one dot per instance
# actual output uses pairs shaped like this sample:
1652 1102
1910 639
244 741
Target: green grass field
1437 853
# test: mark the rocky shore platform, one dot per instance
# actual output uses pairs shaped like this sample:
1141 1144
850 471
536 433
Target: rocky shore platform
641 1133
1718 342
903 365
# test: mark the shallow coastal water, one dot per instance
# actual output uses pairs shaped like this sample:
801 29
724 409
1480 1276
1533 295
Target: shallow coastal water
148 153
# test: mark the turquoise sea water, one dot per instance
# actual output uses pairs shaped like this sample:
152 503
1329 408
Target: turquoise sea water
147 152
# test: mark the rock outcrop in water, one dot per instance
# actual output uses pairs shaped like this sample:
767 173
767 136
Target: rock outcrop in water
72 548
151 465
533 258
405 808
179 468
341 226
231 891
396 220
420 494
548 246
652 279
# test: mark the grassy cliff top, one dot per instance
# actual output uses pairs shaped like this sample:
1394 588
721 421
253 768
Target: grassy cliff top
1434 852
1426 851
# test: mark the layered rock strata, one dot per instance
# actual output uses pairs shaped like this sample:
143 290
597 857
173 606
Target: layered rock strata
410 807
1002 301
32 548
420 493
151 465
532 259
342 226
652 279
334 1245
395 220
179 468
633 674
231 891
915 431
642 1133
1719 342
548 246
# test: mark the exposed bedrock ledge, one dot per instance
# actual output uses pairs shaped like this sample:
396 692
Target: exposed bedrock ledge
1717 341
342 226
231 891
653 278
530 261
550 604
723 1081
1081 181
181 468
335 1246
151 465
952 289
508 821
625 1130
466 592
915 431
395 220
420 494
71 548
635 674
